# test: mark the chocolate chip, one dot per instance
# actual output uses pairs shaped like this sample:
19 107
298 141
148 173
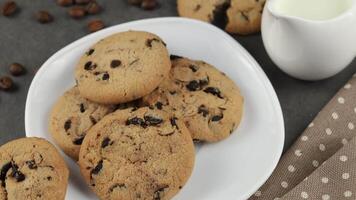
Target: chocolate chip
106 76
203 110
16 69
9 8
149 42
136 121
105 142
135 61
119 185
93 120
196 85
6 83
93 8
91 51
245 16
77 12
174 122
214 91
95 25
158 194
67 125
198 7
135 2
194 68
97 168
65 2
19 176
31 164
175 57
216 118
152 121
172 92
197 141
79 141
4 169
159 105
82 108
149 4
44 17
89 66
115 63
49 178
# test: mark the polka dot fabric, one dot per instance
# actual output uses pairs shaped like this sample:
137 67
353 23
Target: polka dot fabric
322 162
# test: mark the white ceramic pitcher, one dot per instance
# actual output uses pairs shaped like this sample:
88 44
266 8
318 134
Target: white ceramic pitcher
309 49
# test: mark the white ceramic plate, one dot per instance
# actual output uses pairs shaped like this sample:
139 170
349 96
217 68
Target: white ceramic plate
230 170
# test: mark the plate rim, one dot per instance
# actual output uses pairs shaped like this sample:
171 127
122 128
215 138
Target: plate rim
236 45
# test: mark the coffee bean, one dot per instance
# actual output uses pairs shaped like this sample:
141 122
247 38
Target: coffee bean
93 8
16 69
65 2
9 8
95 25
44 17
77 12
6 83
115 63
149 4
82 2
135 2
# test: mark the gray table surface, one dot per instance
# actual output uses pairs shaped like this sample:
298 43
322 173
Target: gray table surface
24 40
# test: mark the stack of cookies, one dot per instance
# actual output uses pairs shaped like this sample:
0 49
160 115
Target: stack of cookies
133 117
237 16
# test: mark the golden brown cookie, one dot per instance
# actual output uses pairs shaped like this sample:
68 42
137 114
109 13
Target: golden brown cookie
208 101
244 16
72 116
204 10
137 154
32 168
122 67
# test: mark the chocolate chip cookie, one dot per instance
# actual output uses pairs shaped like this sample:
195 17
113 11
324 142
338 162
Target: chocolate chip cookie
122 67
244 16
137 154
204 10
205 98
32 168
72 117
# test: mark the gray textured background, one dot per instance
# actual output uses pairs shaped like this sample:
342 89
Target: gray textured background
24 40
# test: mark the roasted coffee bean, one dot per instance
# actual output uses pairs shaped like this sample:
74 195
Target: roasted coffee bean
93 8
152 121
19 176
115 63
214 91
135 2
16 69
82 2
97 168
65 2
44 17
95 25
9 8
77 12
105 142
78 141
149 4
6 83
31 164
67 125
216 118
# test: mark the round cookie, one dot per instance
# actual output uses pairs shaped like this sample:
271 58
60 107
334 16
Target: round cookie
204 10
122 67
244 16
206 99
137 154
72 116
32 168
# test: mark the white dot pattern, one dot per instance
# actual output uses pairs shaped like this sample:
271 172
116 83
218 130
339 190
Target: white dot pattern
325 180
341 100
345 176
334 115
284 184
351 126
348 193
305 138
347 86
298 152
258 193
322 147
304 195
325 197
328 131
291 168
315 163
343 158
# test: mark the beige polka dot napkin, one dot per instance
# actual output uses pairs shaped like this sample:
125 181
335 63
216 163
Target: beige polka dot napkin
322 162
